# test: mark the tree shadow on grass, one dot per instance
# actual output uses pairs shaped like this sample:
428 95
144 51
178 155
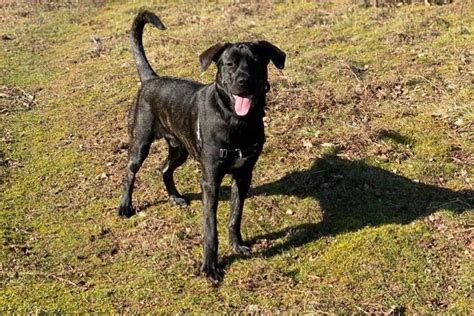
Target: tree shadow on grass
353 195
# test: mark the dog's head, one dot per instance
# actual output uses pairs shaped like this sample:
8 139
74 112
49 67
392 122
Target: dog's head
242 72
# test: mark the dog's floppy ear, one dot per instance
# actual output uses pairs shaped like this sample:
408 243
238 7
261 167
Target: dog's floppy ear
276 55
211 54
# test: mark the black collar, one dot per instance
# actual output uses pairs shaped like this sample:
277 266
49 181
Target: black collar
234 154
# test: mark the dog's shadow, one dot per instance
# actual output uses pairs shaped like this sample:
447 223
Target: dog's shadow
353 195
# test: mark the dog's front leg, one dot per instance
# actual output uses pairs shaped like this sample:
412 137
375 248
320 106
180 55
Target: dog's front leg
210 184
240 186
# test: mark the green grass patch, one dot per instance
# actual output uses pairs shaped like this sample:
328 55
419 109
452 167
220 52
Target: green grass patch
360 203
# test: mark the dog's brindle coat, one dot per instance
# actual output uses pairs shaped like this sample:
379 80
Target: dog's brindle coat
202 120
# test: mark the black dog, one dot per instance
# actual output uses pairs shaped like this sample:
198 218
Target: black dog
220 124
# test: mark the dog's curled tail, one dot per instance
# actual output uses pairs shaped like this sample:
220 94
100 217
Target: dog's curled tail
144 69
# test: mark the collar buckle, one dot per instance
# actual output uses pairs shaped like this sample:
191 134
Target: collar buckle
223 153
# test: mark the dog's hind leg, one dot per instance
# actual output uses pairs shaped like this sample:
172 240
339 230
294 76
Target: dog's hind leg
177 155
139 148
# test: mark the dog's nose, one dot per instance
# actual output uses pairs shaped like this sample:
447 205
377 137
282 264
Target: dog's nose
243 81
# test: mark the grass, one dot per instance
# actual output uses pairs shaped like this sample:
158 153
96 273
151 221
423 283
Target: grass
361 202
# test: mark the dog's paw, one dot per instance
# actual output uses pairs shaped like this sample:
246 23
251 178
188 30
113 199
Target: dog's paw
212 273
179 201
126 211
242 250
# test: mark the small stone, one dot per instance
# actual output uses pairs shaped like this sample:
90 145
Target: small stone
459 122
102 176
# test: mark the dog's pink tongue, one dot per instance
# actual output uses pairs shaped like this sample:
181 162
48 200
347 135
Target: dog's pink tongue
242 105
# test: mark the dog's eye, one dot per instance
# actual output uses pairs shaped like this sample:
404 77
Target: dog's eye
229 64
